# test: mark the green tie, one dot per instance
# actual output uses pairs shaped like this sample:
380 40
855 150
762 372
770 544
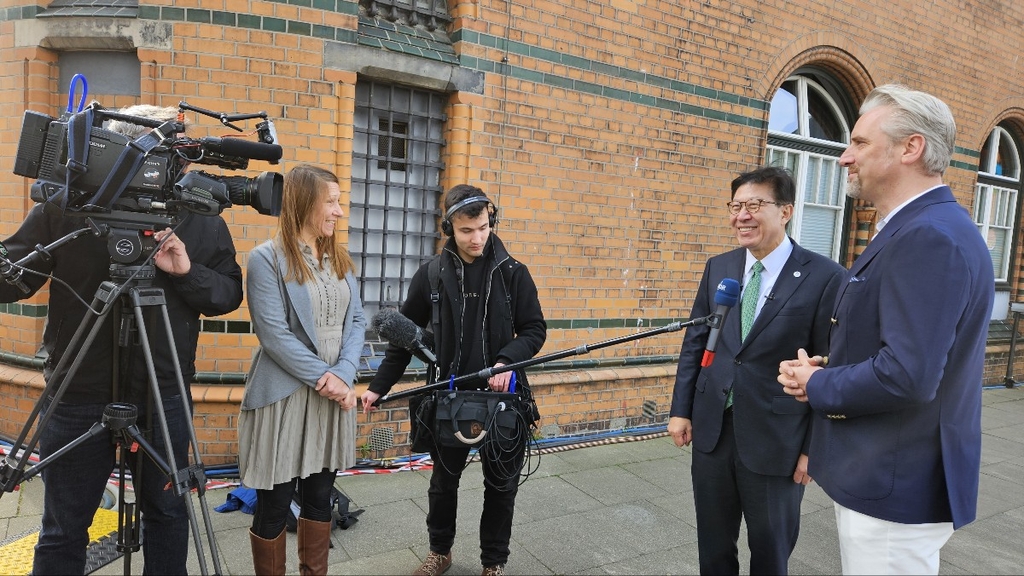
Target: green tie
748 309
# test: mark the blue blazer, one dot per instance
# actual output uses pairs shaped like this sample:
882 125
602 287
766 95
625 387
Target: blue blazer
771 427
282 317
897 427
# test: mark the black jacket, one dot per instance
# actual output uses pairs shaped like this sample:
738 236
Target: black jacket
772 428
514 326
212 287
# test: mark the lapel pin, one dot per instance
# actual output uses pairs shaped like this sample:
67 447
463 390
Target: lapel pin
796 274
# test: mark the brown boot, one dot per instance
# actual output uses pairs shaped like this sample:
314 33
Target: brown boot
434 564
314 544
267 555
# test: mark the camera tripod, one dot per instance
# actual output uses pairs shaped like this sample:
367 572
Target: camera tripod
123 297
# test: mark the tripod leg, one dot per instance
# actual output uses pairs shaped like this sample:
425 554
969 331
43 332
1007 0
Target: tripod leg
11 473
155 297
128 520
74 483
197 455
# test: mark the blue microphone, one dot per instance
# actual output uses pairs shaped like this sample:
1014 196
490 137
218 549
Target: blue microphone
726 296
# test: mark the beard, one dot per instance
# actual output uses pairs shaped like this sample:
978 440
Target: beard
853 188
882 174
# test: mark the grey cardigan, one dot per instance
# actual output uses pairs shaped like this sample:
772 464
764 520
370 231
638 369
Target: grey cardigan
282 318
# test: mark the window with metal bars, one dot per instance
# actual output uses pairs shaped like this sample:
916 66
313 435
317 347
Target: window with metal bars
396 191
391 144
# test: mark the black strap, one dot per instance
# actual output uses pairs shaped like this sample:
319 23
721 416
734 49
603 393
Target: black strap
128 164
79 134
434 277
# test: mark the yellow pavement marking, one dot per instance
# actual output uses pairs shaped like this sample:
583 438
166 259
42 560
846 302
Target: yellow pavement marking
16 557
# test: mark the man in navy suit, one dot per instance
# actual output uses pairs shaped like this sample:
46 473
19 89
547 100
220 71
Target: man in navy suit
897 410
749 439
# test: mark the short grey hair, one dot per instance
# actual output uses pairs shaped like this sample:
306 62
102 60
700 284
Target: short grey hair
915 112
132 130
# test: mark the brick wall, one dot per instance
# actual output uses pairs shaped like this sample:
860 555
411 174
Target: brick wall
607 133
573 402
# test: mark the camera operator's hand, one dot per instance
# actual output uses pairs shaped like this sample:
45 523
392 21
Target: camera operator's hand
171 257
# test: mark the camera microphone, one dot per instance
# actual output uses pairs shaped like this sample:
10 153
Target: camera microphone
243 148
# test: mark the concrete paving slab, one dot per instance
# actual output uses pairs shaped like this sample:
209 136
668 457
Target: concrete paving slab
670 474
1011 470
551 497
682 507
995 449
624 507
992 546
677 560
551 464
613 485
578 542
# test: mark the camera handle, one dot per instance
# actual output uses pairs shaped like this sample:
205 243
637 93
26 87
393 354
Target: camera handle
225 119
183 481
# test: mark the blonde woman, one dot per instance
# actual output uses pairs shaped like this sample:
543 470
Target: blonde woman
297 424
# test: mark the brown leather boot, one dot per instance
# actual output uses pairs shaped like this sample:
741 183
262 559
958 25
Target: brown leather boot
434 564
314 544
267 555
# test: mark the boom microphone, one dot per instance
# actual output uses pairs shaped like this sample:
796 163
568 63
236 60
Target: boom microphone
244 148
726 296
11 274
404 333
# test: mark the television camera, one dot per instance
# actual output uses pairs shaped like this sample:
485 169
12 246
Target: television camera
92 170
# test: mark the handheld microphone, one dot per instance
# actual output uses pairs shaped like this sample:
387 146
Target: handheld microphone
726 296
244 148
404 333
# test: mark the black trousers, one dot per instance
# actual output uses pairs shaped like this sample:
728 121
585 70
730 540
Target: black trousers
272 505
501 484
724 491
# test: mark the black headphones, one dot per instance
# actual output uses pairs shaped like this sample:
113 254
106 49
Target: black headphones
492 213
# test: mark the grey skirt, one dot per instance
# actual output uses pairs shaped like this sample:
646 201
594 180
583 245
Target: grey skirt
294 437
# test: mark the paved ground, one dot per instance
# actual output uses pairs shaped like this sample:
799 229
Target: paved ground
620 508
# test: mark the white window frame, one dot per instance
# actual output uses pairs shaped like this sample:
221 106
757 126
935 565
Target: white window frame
798 159
995 205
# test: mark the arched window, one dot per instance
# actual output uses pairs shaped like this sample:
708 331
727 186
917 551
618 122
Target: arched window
995 206
807 132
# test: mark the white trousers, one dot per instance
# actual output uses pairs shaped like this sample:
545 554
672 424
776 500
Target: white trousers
869 545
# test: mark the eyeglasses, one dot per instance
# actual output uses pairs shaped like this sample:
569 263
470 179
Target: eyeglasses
752 206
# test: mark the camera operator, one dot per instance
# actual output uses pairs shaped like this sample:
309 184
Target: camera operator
197 270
